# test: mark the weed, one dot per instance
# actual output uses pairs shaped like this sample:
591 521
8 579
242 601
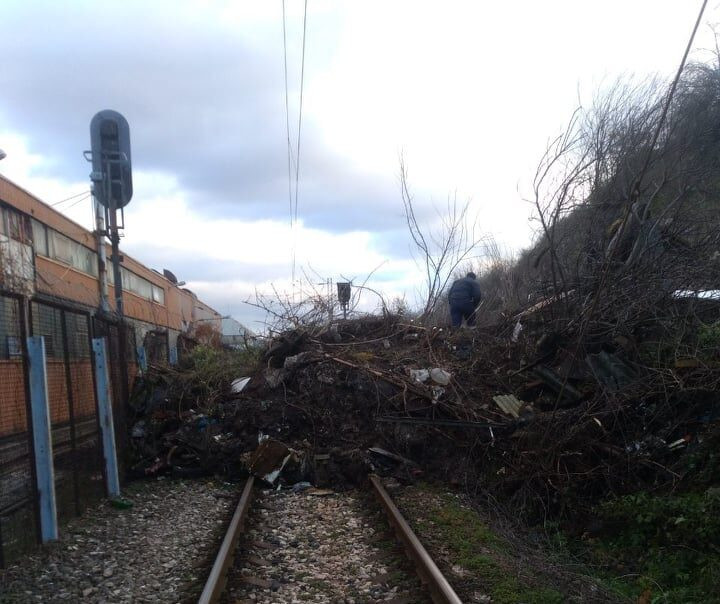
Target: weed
668 546
477 549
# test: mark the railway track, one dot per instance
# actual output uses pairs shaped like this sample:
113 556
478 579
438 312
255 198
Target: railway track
321 546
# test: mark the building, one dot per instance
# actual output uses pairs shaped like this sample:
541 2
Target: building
45 255
50 286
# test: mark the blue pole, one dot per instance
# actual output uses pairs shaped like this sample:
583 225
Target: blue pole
42 440
173 355
142 358
105 415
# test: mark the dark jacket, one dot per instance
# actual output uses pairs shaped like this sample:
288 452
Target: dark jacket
465 291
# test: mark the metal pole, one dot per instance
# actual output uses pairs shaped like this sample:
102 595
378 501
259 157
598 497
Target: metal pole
117 276
102 254
42 441
105 415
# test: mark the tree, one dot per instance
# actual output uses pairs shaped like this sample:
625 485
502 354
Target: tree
440 251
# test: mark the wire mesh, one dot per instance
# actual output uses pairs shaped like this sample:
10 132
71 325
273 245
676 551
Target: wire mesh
77 456
111 332
18 529
77 446
88 444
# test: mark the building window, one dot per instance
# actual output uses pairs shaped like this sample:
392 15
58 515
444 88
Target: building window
71 252
16 225
158 294
40 237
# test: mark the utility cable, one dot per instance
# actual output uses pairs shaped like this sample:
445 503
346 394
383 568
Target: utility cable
78 201
57 203
294 161
287 116
297 156
302 82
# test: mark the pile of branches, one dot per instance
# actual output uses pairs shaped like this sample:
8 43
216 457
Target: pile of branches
587 423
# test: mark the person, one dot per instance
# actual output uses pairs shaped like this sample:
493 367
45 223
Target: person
464 296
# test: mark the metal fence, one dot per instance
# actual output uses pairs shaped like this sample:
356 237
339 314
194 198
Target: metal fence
77 445
18 518
77 454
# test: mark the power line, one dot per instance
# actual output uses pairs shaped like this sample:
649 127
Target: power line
287 116
57 203
294 161
78 201
297 156
302 82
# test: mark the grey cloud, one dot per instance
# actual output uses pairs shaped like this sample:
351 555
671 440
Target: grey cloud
189 266
203 105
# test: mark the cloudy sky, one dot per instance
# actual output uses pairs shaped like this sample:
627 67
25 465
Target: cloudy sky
469 93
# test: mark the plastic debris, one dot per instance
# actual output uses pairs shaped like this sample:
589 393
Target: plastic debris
239 384
419 375
509 403
301 486
440 376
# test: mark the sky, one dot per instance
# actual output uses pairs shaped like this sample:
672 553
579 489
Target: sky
468 93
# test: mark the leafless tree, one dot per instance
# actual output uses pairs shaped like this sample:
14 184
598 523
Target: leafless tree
440 250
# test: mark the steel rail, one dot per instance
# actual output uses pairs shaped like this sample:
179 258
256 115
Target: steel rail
440 590
218 574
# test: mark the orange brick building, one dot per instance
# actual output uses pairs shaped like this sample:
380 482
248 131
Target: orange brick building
49 280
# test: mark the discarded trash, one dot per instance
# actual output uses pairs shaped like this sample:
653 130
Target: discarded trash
298 359
558 384
516 332
388 455
239 384
419 375
440 376
138 430
437 392
269 459
120 503
609 370
509 403
299 487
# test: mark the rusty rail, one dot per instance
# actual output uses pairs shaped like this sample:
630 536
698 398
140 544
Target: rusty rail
218 574
440 590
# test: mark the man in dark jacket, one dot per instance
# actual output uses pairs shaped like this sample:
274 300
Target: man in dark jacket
464 296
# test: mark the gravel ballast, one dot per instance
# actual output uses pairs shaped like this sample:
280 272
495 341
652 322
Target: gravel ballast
159 550
319 548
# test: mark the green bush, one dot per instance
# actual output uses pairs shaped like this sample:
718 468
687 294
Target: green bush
671 543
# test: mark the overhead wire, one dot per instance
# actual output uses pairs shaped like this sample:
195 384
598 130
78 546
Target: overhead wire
294 154
302 82
78 201
57 203
287 116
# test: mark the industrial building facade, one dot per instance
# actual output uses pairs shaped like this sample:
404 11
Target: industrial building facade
50 286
